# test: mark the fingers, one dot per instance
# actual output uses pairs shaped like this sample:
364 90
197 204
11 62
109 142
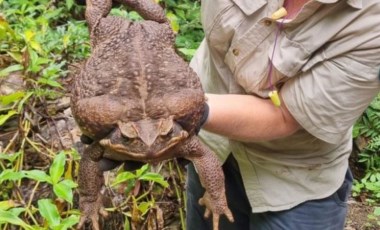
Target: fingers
201 202
210 210
229 215
208 213
103 212
81 222
215 222
95 222
94 219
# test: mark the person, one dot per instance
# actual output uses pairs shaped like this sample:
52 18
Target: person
285 81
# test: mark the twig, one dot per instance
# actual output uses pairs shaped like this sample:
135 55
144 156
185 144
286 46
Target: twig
181 214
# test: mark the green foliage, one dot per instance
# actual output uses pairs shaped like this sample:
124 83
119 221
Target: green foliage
39 40
185 19
49 212
63 189
368 128
369 124
142 174
39 57
143 203
11 216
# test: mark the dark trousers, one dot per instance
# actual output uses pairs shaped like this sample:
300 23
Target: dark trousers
324 214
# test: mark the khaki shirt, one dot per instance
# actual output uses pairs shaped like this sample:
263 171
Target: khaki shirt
326 63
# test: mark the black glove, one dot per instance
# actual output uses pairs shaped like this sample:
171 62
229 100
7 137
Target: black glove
204 118
80 2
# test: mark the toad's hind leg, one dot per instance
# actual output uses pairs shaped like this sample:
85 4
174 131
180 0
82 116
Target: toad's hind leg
212 179
91 181
148 9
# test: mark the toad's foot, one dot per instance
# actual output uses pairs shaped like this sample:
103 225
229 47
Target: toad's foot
90 210
216 206
211 177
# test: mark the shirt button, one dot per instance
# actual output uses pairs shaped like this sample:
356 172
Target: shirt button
235 52
267 22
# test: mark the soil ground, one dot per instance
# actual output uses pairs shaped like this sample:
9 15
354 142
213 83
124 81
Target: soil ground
357 218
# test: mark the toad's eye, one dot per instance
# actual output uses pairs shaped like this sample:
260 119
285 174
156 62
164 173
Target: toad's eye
125 140
166 132
169 132
166 127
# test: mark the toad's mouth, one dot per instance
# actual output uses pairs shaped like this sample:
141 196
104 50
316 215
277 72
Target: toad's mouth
148 154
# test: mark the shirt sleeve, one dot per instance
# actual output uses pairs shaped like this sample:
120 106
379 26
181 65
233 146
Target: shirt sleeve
328 98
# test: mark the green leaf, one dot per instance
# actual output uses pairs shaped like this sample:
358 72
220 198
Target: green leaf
17 211
58 167
63 191
4 28
38 175
53 13
49 212
36 46
11 218
21 103
29 35
9 174
173 21
187 52
377 211
122 177
142 170
69 4
68 222
155 178
144 207
4 118
69 183
66 40
49 82
180 13
10 157
10 69
10 98
372 178
16 56
7 204
127 225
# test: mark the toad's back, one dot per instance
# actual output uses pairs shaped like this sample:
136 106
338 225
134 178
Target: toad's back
138 63
136 69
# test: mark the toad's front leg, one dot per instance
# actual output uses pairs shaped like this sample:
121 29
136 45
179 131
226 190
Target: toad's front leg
212 179
91 181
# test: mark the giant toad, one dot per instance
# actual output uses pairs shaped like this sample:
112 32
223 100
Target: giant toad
138 100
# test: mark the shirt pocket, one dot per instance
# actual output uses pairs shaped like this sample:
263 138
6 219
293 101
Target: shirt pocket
249 6
220 18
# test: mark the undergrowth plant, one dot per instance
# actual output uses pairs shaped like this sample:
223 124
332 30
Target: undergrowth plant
368 128
39 41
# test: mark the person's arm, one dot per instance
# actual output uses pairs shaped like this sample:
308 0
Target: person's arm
248 118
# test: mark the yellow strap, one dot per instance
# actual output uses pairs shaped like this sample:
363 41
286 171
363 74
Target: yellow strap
279 13
273 95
